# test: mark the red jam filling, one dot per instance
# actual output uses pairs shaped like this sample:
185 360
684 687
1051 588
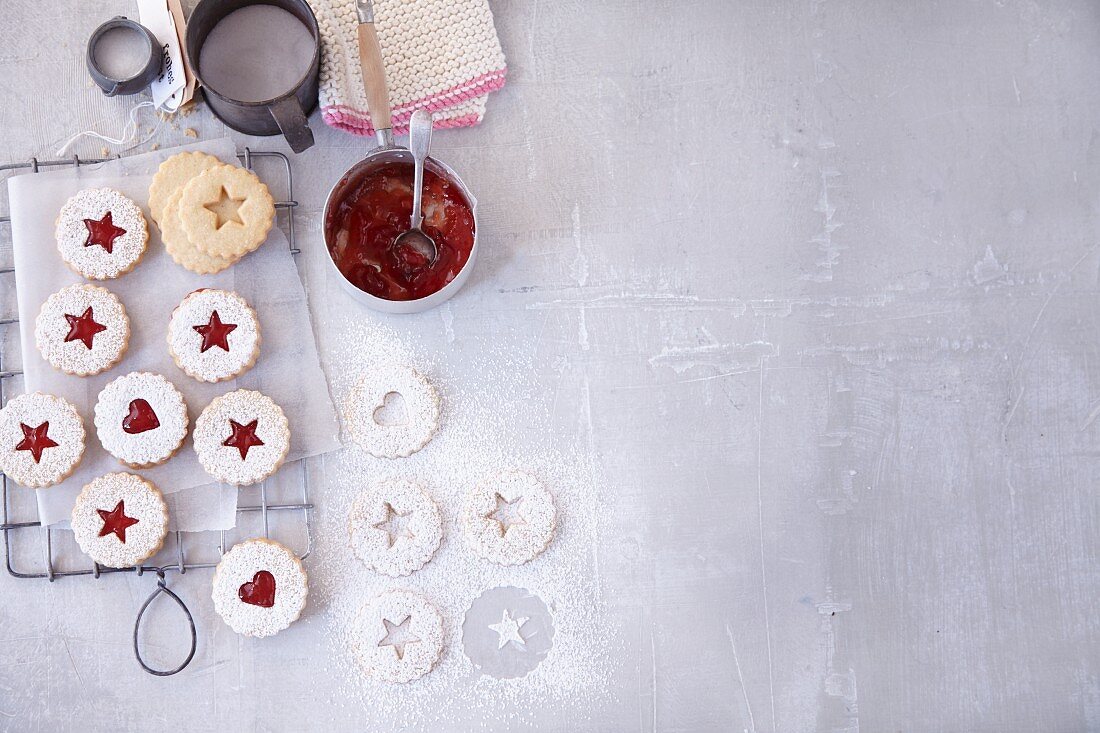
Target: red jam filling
36 440
361 228
103 233
215 333
116 521
260 591
243 437
141 418
83 328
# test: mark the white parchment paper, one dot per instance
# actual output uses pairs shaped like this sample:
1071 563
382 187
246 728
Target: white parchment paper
288 369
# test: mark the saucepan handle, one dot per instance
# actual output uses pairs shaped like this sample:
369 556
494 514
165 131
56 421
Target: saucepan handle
374 74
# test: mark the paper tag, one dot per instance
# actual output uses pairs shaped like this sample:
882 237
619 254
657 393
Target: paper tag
168 89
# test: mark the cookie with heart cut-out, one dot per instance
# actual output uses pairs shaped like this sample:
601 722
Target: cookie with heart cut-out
259 587
141 419
392 411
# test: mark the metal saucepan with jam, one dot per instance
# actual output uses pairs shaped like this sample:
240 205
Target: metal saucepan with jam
362 226
371 206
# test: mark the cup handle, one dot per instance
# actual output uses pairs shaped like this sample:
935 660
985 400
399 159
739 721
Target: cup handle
292 122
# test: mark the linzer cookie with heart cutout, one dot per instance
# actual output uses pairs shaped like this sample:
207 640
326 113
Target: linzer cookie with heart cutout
41 439
214 335
242 437
141 419
82 330
120 520
259 588
392 411
101 234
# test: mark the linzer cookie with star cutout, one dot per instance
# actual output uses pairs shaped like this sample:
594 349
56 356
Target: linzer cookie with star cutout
82 330
242 437
511 519
41 439
214 335
141 419
120 520
399 637
259 588
101 234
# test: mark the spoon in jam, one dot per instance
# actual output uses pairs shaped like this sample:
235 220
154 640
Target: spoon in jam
420 139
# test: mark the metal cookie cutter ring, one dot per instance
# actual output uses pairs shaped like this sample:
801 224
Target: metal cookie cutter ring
150 51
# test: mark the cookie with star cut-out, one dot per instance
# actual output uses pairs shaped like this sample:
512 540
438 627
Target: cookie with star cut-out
395 527
101 234
214 335
242 437
41 439
398 637
226 211
120 520
82 330
510 519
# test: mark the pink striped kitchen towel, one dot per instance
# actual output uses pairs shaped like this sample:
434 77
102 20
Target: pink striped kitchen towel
440 55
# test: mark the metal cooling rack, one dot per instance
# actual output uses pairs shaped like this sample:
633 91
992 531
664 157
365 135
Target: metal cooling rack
16 531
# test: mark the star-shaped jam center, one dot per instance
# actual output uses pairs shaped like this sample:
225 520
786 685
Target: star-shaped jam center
36 440
103 232
215 333
243 437
507 514
398 636
225 209
83 327
115 521
395 525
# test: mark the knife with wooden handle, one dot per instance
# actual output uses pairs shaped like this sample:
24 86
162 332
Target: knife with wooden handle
374 75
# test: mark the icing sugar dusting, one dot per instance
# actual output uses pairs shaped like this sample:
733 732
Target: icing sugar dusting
214 364
239 566
66 428
141 501
480 438
95 261
51 328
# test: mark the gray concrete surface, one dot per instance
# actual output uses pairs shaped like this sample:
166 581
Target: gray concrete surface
823 274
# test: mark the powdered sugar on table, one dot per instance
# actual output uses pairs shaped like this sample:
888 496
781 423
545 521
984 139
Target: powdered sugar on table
478 440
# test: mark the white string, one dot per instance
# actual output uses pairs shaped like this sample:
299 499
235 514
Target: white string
129 132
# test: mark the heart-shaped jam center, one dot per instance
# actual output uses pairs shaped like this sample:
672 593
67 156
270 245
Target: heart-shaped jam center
391 413
140 418
260 591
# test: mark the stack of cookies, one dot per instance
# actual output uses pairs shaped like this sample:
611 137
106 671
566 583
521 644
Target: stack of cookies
210 214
